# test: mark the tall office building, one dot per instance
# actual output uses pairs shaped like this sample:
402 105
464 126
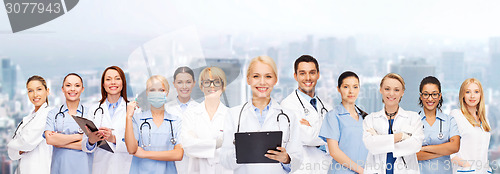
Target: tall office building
327 50
453 69
369 98
9 77
412 71
494 67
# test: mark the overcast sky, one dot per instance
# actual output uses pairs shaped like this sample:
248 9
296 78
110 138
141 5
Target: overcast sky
96 34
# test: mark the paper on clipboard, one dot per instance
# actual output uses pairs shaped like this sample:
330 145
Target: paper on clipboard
82 122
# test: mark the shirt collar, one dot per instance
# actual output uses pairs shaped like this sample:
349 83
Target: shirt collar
180 103
265 109
113 104
343 111
401 112
166 116
305 96
439 115
78 110
44 105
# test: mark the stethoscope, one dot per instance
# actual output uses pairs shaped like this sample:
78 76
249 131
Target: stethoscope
277 119
172 140
15 132
102 112
306 111
60 112
440 135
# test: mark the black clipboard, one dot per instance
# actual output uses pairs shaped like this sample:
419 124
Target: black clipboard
252 146
82 122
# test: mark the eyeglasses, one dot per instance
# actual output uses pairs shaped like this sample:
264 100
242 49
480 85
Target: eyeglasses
207 83
434 95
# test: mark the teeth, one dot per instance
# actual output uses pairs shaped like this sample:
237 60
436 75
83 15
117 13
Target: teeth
261 89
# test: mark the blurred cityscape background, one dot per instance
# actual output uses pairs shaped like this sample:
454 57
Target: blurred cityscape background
414 40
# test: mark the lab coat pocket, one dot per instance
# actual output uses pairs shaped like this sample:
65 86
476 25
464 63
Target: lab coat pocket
410 163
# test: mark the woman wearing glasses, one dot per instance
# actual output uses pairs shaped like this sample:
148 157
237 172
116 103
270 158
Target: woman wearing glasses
392 136
441 131
64 134
263 113
27 145
474 130
203 126
152 136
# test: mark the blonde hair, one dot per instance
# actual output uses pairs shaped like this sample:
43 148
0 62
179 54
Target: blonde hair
265 60
157 78
215 72
481 111
393 76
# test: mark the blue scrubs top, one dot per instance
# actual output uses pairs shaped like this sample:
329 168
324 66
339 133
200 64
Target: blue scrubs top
160 141
339 125
449 128
68 160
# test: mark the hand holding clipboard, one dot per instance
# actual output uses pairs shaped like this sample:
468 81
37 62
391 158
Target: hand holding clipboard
93 132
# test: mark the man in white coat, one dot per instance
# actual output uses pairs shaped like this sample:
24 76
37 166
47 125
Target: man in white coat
304 100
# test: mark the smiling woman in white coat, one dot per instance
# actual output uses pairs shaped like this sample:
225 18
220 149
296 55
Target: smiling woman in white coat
474 128
392 136
27 144
262 113
203 125
183 83
109 115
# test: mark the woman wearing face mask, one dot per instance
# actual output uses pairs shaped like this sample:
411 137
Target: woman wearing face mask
202 129
441 132
343 128
63 132
109 115
262 113
153 136
392 136
474 130
183 83
27 145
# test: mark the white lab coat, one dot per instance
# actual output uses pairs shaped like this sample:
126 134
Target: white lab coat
315 160
199 135
250 123
38 153
174 108
106 162
474 144
380 144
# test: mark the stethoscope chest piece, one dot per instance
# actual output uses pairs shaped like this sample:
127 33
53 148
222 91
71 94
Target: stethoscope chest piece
172 140
306 111
440 135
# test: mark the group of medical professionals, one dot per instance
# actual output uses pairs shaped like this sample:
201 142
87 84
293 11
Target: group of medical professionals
183 136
